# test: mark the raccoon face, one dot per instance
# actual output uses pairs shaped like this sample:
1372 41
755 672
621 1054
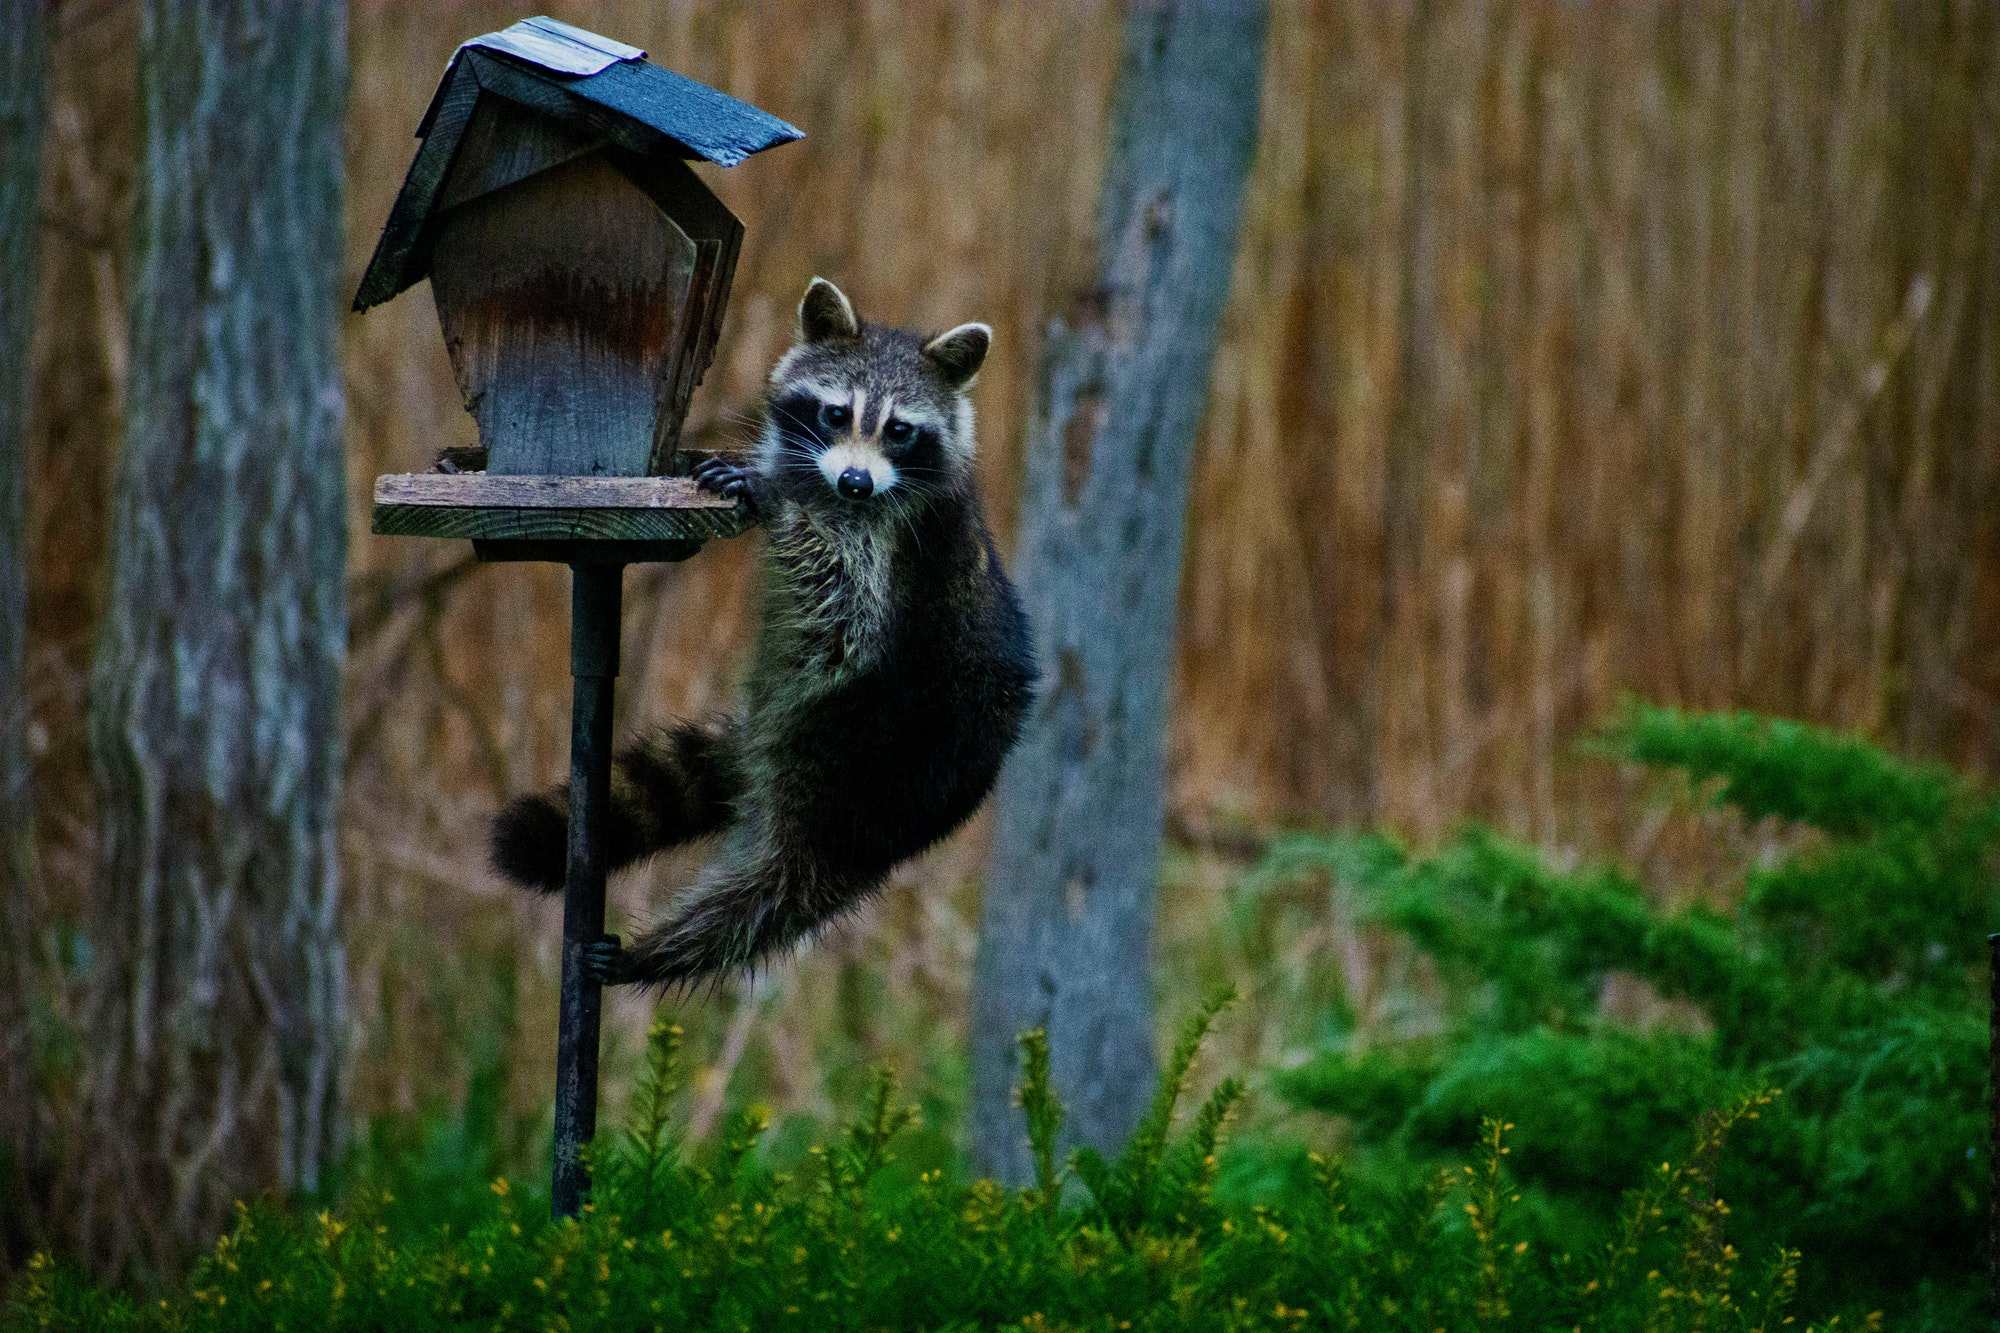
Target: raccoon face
861 417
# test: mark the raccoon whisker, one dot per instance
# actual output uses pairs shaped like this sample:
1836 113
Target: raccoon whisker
801 422
905 517
917 502
730 418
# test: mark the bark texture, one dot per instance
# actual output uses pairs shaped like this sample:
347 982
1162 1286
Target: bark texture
24 92
1067 923
217 973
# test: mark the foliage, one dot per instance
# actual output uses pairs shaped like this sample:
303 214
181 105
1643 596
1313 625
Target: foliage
848 1242
1850 978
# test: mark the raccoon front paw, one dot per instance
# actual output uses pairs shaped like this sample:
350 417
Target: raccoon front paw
606 962
726 477
531 842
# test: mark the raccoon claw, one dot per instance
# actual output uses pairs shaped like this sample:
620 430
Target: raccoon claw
728 479
715 471
606 962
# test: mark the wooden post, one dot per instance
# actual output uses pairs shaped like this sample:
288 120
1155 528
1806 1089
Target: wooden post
595 596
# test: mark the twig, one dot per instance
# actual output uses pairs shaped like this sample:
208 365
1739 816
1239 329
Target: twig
1835 445
377 599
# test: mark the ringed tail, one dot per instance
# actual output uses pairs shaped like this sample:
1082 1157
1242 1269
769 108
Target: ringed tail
677 785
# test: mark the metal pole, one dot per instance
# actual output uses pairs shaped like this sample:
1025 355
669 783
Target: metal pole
593 665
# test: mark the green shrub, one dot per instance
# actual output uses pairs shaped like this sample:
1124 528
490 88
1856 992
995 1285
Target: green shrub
850 1243
1851 978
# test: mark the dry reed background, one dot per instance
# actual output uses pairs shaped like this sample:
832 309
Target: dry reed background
1572 351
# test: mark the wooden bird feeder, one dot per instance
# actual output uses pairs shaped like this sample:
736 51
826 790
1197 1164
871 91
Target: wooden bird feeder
581 270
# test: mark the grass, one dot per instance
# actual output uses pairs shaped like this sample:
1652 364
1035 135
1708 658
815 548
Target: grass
851 1239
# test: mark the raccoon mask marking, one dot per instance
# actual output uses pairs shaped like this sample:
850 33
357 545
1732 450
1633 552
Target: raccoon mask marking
855 411
889 680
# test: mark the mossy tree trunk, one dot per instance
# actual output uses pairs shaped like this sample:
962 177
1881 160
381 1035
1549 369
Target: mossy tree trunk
24 92
217 976
1067 923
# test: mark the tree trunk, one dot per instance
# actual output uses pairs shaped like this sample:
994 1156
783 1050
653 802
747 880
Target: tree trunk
1067 923
1413 419
218 988
24 90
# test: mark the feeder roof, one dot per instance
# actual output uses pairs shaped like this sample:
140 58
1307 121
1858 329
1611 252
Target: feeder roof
601 87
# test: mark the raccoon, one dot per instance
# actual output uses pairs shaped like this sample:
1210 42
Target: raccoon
890 676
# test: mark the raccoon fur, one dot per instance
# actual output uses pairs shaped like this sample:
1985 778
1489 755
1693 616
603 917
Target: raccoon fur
891 671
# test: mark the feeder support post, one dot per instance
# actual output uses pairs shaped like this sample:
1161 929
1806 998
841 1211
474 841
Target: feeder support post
595 596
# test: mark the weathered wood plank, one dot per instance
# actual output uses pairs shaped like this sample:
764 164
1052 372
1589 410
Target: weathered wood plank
718 236
426 520
504 144
564 304
474 490
402 254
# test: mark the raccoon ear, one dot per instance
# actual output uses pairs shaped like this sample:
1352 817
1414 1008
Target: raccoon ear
959 353
826 315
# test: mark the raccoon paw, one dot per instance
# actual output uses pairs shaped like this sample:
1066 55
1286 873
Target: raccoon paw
728 478
606 962
531 843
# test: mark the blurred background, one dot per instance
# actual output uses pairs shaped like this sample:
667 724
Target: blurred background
1572 352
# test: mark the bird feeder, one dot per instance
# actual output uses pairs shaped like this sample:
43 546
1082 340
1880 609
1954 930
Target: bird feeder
581 271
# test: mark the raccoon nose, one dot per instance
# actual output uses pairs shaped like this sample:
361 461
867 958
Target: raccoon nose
855 484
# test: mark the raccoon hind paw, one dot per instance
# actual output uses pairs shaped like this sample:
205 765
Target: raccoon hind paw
531 843
607 963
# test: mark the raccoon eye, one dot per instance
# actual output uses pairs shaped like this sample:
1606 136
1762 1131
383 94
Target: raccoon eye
835 416
898 431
